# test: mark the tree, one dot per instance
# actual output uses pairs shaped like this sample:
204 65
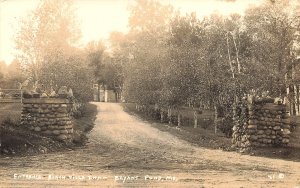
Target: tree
75 74
272 27
47 35
180 60
147 42
95 56
119 58
3 67
11 75
14 75
149 16
46 41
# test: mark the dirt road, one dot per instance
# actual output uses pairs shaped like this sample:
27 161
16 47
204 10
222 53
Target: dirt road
125 151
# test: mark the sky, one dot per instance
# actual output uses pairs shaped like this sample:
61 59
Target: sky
111 15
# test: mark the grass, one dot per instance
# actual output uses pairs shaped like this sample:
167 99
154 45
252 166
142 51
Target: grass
205 118
85 123
11 111
197 136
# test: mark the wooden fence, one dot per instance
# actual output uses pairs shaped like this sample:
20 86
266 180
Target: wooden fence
11 95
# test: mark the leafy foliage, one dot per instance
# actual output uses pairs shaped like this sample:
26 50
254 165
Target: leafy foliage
46 41
178 60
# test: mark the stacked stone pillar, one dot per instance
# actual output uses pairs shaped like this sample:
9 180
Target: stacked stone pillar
48 116
261 124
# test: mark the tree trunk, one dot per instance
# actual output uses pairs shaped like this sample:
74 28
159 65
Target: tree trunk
195 119
105 94
295 92
116 96
216 118
289 104
237 54
229 57
179 118
98 93
296 100
156 111
156 107
161 115
170 115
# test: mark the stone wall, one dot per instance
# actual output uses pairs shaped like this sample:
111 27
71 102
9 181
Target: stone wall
261 123
48 116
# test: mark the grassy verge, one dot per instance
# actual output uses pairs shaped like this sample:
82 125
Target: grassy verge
84 124
10 111
18 140
202 137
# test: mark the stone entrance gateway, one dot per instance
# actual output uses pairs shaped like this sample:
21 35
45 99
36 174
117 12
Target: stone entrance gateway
261 123
48 116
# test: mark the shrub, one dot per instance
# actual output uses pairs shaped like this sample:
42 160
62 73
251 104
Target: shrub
225 125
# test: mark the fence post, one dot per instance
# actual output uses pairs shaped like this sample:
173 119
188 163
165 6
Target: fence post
216 118
195 119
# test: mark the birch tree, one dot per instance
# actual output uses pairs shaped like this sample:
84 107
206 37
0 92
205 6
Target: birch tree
46 35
